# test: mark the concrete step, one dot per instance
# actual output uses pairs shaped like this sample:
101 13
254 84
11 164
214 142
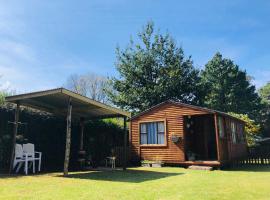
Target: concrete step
197 167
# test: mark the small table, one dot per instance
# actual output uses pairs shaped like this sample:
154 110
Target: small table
110 160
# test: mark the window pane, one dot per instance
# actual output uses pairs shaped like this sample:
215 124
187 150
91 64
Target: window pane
143 128
160 138
233 130
143 138
161 127
152 133
220 127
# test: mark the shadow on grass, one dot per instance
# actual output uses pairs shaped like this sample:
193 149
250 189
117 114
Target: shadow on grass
250 168
2 176
133 176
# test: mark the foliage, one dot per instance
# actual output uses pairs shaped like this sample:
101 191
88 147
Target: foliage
227 88
151 71
90 85
251 128
264 93
2 98
151 161
166 183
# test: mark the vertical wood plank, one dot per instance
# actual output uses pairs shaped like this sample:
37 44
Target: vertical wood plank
15 130
68 137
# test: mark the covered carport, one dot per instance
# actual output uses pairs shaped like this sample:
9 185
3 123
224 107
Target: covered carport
63 102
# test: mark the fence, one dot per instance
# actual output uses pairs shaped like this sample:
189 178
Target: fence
259 155
120 155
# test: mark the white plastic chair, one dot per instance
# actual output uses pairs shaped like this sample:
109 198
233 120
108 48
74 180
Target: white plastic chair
111 161
30 153
20 157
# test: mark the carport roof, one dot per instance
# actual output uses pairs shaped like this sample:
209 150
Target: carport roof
56 101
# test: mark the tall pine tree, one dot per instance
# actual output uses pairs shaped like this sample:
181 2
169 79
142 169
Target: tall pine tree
151 71
228 89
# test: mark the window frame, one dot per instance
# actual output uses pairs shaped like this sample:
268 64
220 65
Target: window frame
220 118
153 121
234 134
242 131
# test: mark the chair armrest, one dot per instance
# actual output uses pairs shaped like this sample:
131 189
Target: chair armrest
38 152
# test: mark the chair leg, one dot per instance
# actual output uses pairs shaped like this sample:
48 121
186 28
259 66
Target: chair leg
39 164
34 163
19 167
14 164
26 167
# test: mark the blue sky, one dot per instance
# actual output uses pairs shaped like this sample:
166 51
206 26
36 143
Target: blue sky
43 42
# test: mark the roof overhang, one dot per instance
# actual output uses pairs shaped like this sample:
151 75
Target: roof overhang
55 101
207 110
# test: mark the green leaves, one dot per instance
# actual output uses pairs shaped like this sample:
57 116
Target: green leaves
152 71
227 88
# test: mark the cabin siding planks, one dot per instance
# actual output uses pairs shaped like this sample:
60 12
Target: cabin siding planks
174 153
174 116
228 150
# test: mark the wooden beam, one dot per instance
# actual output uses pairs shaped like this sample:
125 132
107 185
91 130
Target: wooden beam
15 130
125 144
68 137
217 136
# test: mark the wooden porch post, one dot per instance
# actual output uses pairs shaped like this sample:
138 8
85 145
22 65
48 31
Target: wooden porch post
68 137
217 136
15 130
82 133
125 144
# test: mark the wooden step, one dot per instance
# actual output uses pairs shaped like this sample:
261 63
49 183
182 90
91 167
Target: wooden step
197 167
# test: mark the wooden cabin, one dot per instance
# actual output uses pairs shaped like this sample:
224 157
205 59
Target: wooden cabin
177 133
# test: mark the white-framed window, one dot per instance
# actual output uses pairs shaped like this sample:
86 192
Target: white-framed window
152 132
233 132
241 135
221 128
143 134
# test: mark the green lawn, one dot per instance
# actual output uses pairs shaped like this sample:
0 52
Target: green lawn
141 183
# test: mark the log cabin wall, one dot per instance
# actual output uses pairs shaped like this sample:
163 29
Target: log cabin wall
229 150
170 152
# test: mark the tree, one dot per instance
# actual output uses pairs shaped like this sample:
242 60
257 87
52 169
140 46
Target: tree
90 85
151 71
227 88
2 98
264 93
2 94
251 128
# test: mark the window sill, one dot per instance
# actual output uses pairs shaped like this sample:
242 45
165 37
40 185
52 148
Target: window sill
153 145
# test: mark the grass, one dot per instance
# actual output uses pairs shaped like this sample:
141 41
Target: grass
141 183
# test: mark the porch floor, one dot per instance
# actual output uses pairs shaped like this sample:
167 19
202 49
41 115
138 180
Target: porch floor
212 163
